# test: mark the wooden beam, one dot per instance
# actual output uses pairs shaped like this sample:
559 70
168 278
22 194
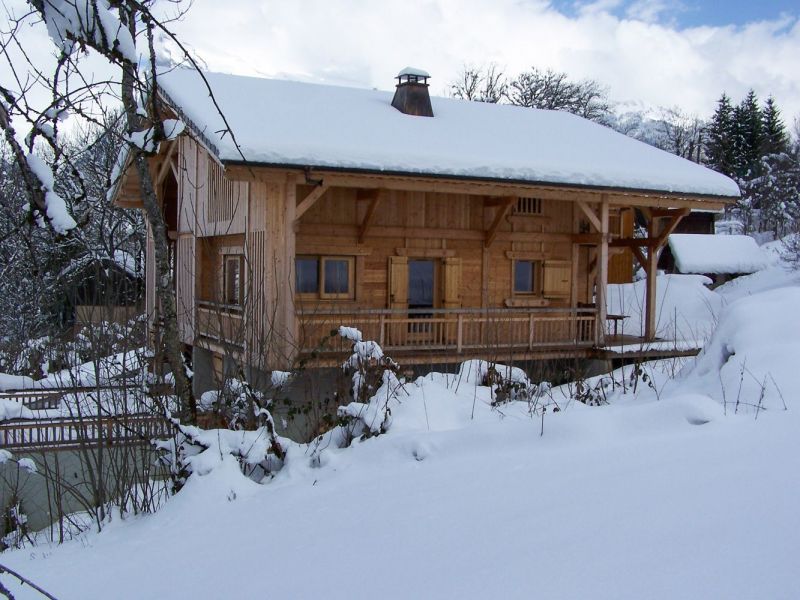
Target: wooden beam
310 200
586 238
502 211
495 201
165 164
589 214
370 214
675 219
659 213
639 256
412 182
491 188
633 242
351 231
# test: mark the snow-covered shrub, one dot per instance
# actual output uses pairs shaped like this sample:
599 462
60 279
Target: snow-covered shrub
15 525
375 384
248 434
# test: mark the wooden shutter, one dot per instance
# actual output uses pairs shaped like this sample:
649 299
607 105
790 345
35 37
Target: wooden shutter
452 283
557 281
398 282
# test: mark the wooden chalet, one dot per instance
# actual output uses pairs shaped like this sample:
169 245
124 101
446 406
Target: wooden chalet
440 228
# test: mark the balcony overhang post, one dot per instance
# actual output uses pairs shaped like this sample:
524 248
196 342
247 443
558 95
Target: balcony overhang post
602 268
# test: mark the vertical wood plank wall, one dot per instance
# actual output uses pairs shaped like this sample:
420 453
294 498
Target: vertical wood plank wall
445 226
185 286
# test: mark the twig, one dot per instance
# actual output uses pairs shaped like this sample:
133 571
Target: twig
23 581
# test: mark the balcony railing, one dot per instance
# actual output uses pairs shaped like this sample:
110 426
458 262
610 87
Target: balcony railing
220 322
453 330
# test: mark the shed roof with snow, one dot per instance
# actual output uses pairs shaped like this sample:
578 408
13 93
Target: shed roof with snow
717 254
291 124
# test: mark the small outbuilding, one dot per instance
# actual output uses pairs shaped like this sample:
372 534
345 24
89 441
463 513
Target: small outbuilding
720 257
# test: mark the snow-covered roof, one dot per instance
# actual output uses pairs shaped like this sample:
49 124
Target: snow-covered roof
717 254
288 123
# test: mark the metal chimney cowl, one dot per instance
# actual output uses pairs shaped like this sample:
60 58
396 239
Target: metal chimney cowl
411 96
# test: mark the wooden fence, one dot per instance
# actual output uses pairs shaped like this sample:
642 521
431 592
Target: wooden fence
65 433
78 431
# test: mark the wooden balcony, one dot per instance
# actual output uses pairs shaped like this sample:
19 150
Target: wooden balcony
221 323
453 334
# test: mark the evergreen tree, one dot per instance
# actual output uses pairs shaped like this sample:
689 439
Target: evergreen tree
748 137
774 137
719 138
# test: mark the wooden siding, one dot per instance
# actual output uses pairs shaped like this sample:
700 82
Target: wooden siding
447 227
185 268
221 205
187 185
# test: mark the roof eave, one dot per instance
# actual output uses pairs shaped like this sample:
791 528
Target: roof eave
320 170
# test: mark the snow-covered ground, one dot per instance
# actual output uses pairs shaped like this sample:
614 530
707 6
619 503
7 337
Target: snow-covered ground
686 488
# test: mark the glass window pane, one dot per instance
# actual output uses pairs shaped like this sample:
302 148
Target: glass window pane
337 276
232 280
306 275
523 276
420 283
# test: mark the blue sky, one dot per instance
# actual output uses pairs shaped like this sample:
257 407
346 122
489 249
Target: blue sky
687 13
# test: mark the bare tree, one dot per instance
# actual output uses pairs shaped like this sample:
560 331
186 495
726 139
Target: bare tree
554 90
681 133
125 34
480 84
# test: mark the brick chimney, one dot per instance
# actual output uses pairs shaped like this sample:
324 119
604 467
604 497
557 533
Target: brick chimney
411 96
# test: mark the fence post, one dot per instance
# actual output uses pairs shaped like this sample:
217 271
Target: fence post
460 333
530 331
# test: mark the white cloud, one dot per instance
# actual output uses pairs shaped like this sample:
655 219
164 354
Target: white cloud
357 42
363 43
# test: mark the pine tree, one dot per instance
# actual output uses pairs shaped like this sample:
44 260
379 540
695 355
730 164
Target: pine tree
748 137
774 137
719 138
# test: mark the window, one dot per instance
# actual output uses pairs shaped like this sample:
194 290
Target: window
306 271
328 277
528 206
233 278
526 276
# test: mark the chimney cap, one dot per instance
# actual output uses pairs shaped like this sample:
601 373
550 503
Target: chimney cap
414 75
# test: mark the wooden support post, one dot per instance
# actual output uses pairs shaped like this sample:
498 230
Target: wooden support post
530 331
460 334
652 272
602 284
502 211
650 296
